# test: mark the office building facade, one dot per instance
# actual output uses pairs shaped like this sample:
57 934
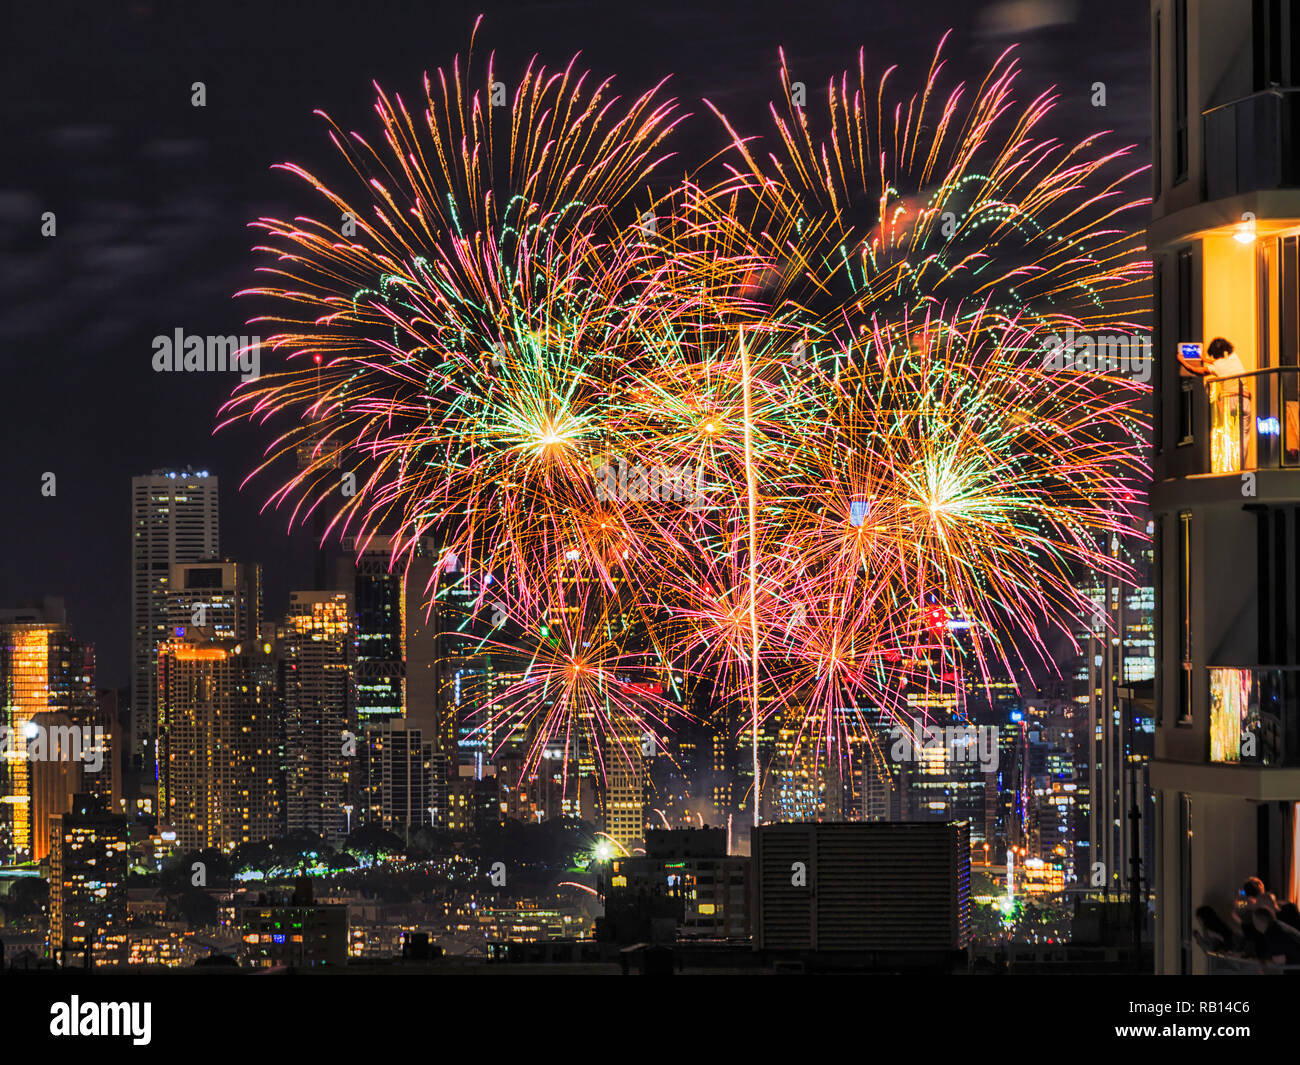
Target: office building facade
173 519
43 671
317 664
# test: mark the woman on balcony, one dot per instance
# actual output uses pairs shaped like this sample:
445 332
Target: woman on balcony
1230 436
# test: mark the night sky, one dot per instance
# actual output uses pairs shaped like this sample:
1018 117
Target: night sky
153 197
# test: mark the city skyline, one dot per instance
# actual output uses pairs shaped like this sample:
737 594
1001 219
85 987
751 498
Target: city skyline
185 567
544 487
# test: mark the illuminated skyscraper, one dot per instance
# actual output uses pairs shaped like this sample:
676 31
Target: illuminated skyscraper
317 682
379 599
1118 652
940 785
219 780
42 671
394 777
173 519
622 797
223 600
401 703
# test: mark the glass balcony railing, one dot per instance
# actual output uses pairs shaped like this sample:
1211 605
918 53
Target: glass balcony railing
1251 144
1255 420
1255 715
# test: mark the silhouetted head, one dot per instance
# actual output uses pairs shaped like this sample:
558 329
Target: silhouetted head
1262 918
1253 888
1219 347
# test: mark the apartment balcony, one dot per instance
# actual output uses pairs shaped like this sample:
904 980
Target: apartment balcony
1255 716
1255 421
1252 144
1253 747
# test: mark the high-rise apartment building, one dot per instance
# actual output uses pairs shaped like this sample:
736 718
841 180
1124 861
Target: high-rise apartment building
317 645
1225 242
219 744
394 777
173 519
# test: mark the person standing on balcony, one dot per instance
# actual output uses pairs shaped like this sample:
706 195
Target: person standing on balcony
1230 436
1224 362
1219 362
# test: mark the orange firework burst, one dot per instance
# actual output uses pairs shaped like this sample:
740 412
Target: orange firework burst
752 430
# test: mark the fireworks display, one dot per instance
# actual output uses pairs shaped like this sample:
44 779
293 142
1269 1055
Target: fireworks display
761 432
